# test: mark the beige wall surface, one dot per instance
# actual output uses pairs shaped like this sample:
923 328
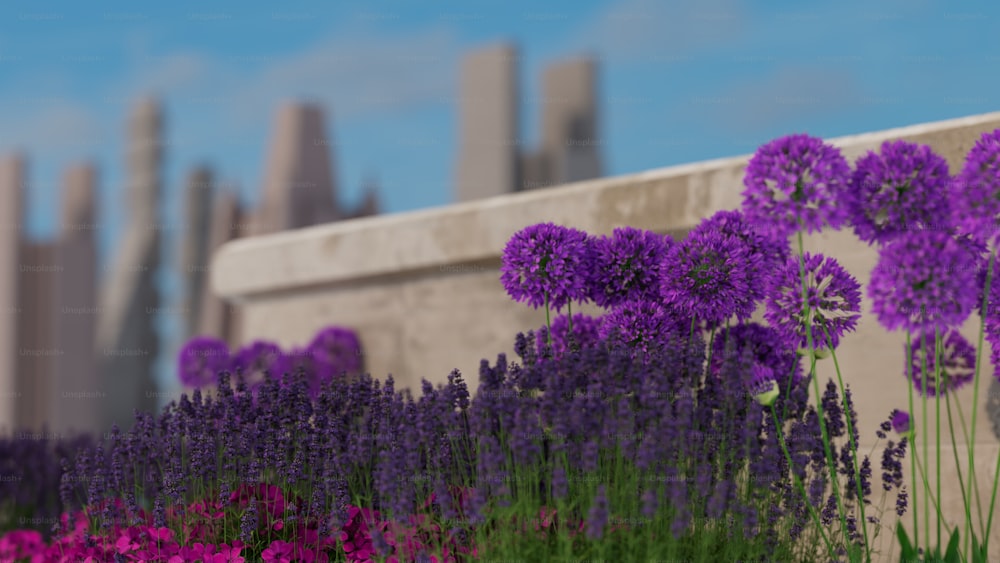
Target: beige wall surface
423 290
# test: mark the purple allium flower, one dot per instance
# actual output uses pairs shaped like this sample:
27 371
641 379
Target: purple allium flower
900 421
257 359
586 333
642 326
905 188
834 301
924 280
975 192
547 260
201 360
792 179
710 275
766 346
958 362
774 251
338 348
627 266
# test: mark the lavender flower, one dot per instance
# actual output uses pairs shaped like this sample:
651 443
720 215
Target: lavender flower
834 299
902 189
338 348
924 280
598 517
795 183
201 360
710 275
766 346
958 363
975 191
627 266
586 333
547 262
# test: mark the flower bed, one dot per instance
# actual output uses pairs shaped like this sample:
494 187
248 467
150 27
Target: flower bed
672 427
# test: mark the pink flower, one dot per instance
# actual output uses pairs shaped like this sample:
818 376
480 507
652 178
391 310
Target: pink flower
278 552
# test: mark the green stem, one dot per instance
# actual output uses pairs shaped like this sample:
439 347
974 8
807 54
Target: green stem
913 442
548 321
802 489
975 400
853 445
819 397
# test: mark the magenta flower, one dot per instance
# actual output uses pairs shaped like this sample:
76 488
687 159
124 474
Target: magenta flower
710 276
834 298
924 280
900 421
278 552
975 192
795 183
905 188
547 261
627 266
338 348
958 363
201 360
257 359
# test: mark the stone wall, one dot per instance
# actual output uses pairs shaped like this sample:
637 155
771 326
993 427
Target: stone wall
423 291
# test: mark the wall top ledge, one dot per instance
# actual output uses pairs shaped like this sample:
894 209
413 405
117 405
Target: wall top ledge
373 247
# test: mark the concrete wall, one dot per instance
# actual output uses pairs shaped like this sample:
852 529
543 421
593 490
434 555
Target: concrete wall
423 288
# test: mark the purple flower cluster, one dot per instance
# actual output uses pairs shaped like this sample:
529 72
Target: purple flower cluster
957 363
975 192
334 352
832 294
627 266
796 183
924 280
548 264
902 189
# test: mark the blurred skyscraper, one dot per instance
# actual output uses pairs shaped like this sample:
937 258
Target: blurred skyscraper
491 158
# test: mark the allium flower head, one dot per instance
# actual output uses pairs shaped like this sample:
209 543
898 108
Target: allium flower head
924 280
834 298
904 188
547 260
767 347
257 359
627 266
900 421
201 360
643 326
975 192
756 235
958 363
792 179
710 275
586 333
338 348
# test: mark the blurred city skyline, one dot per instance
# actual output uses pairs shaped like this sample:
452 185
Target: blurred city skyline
677 82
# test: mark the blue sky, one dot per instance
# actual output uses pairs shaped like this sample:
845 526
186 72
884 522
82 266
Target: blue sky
680 81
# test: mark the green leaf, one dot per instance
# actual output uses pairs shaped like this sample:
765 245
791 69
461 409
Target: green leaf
978 551
951 554
908 553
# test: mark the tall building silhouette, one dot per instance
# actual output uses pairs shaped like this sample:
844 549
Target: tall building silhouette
491 158
127 338
12 174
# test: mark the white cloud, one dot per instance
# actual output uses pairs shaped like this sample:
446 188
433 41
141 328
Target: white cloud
649 29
